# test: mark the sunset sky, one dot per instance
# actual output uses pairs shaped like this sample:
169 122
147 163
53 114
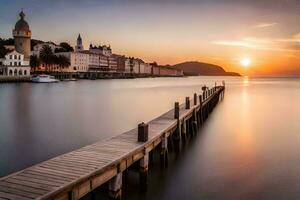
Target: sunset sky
223 32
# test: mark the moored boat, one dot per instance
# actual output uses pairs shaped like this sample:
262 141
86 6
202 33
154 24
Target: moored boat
44 78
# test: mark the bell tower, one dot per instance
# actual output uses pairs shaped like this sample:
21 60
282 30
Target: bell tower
22 36
79 46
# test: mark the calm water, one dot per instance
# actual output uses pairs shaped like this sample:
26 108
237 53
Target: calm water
248 149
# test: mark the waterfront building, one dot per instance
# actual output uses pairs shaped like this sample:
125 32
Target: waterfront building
112 63
97 62
22 36
79 46
129 65
145 68
14 64
79 61
37 48
101 49
155 69
120 62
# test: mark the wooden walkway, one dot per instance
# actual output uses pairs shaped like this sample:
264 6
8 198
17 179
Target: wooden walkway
75 174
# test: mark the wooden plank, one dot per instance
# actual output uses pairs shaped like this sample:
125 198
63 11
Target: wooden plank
82 189
103 177
13 196
23 188
21 193
47 175
30 184
38 181
42 177
54 172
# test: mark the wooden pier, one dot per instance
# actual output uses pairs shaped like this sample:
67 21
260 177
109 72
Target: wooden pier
75 174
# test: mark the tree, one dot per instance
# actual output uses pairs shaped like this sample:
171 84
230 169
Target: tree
3 51
34 62
63 62
9 41
47 56
66 46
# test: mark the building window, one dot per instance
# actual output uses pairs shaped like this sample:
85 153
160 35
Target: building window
15 57
19 63
25 72
16 63
10 56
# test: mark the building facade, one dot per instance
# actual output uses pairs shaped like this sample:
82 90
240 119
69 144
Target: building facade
101 49
13 64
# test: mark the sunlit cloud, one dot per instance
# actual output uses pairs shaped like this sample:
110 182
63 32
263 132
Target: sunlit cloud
282 44
294 38
265 25
249 42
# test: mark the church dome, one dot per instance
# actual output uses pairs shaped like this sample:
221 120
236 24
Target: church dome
22 25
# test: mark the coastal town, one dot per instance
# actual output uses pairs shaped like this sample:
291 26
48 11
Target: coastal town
22 61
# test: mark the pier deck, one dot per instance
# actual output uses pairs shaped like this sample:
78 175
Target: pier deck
75 174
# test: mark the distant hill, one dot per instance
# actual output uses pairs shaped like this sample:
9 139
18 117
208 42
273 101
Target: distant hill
205 69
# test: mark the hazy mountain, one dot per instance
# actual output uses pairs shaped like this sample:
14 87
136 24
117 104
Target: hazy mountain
205 69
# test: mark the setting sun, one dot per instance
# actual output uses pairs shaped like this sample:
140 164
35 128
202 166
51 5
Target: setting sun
245 62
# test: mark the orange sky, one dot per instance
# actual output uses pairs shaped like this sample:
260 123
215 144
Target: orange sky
217 31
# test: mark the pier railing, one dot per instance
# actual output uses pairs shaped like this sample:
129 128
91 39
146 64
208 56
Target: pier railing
77 173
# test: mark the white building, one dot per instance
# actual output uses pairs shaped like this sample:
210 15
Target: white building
145 68
79 61
13 64
37 48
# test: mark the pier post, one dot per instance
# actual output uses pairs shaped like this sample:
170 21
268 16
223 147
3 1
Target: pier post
215 89
144 163
143 132
177 135
164 152
187 103
201 109
184 131
195 99
176 110
115 187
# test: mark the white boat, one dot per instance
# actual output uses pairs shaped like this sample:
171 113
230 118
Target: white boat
44 78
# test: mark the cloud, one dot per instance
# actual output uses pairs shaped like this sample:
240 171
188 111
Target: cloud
265 25
290 44
248 42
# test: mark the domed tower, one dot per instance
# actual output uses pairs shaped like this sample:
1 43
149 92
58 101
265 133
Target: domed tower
79 46
22 36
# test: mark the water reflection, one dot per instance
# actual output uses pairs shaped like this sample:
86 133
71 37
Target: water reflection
248 149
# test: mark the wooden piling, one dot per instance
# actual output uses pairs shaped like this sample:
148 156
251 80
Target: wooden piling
143 132
144 163
176 110
115 187
195 99
164 152
187 103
